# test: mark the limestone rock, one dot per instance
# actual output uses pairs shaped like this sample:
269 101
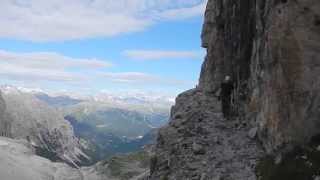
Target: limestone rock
253 132
198 149
5 119
271 50
25 117
18 161
204 145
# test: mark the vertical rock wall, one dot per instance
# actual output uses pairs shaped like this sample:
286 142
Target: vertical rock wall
285 67
271 49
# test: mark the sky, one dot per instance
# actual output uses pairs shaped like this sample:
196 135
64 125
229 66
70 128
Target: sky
90 46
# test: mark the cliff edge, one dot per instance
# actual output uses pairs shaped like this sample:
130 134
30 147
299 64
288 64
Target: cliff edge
270 49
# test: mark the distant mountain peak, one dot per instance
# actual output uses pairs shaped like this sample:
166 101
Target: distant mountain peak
10 89
119 98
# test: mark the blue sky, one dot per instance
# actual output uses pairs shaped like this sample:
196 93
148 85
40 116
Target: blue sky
95 45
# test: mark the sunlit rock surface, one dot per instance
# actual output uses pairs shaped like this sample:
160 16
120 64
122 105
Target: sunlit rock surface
26 117
18 161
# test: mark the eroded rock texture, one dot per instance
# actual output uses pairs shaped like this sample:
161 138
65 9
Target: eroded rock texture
285 64
200 144
22 116
271 50
5 124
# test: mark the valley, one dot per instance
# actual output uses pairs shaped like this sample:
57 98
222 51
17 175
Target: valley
89 138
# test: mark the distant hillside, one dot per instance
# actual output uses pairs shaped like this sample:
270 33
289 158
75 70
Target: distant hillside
57 101
102 145
120 122
131 166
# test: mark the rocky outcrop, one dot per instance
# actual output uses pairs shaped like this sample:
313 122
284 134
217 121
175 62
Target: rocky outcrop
270 48
200 144
18 161
42 126
5 124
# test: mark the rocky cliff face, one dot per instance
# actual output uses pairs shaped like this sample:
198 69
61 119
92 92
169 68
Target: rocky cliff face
5 125
270 48
22 116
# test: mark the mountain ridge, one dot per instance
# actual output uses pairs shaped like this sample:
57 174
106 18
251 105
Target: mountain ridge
26 117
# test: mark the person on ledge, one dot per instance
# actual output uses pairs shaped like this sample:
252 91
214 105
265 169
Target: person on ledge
225 96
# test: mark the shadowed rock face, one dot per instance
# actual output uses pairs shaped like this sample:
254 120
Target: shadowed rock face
5 125
270 48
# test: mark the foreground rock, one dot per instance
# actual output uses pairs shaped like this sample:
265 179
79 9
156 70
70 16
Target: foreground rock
200 144
18 161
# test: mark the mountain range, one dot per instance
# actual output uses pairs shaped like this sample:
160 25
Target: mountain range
81 130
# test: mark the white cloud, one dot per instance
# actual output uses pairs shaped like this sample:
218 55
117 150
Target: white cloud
49 60
160 54
53 68
13 72
141 78
184 13
129 77
57 20
46 66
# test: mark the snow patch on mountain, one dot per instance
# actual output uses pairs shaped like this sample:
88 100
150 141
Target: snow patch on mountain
118 98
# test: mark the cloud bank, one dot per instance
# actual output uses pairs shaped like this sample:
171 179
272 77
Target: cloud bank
141 78
60 20
161 54
44 66
56 68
